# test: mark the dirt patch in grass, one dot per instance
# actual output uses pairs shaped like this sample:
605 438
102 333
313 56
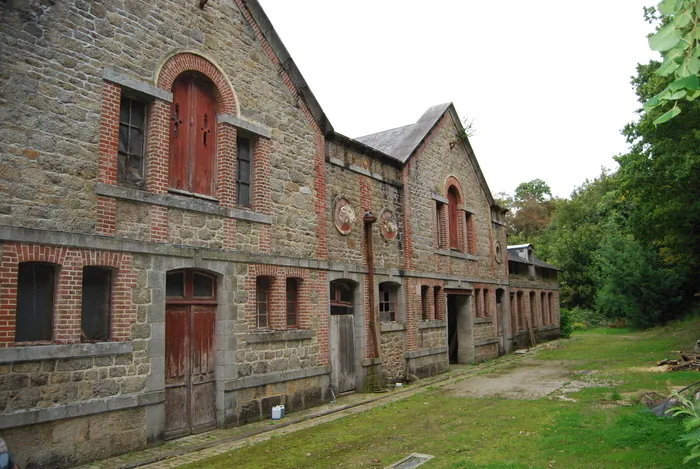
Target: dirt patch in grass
533 379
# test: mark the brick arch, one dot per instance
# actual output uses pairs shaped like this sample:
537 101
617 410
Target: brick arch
453 181
227 101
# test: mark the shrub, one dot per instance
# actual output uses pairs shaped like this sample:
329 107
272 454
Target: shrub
565 323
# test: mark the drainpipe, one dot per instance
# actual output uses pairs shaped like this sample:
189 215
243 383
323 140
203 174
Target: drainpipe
369 219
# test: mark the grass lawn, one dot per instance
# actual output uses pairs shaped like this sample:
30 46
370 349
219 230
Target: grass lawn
605 428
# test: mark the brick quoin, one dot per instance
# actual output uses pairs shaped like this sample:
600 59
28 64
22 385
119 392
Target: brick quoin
68 294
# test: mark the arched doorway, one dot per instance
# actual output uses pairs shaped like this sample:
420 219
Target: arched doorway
190 385
342 335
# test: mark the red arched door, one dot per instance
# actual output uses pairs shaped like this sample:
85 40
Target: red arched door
190 383
453 200
193 135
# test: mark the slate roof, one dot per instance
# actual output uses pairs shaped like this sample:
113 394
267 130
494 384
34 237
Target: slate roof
513 257
401 142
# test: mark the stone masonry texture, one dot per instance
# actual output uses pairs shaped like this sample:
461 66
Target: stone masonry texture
65 67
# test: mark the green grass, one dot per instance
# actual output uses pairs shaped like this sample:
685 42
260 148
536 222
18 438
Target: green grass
465 433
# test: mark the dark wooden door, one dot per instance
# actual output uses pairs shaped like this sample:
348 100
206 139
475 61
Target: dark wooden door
342 338
193 135
190 386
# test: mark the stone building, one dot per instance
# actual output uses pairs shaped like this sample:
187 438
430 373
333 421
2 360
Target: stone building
185 240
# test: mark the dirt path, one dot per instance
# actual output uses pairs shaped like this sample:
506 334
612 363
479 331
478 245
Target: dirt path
532 379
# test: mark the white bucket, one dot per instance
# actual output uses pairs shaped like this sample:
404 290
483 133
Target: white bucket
277 412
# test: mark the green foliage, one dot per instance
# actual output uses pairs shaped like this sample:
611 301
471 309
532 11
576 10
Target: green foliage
582 318
530 210
691 411
678 41
566 325
633 285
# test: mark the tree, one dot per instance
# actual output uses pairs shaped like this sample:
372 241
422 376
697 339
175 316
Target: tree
536 190
530 210
678 40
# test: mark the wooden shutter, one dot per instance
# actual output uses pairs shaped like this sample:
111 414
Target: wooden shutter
193 135
454 233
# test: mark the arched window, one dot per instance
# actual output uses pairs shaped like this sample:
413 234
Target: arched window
193 135
293 302
35 301
453 201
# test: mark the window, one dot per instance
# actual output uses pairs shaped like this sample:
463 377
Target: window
478 302
440 224
436 303
193 135
487 304
96 306
188 286
243 175
341 297
35 293
132 130
262 289
471 234
292 302
453 201
387 302
425 313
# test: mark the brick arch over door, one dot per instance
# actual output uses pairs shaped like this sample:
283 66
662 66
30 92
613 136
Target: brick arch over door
227 101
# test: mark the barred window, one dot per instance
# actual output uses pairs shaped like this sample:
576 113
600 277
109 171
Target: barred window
387 302
263 301
292 302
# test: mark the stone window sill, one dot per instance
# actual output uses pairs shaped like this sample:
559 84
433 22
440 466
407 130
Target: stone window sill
182 202
456 254
432 324
49 352
392 327
278 336
483 320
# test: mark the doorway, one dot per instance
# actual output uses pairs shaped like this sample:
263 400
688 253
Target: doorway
342 335
459 327
500 320
190 385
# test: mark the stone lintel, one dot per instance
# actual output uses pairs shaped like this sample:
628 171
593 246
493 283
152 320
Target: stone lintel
439 198
50 352
425 352
79 409
278 336
177 201
483 320
457 254
252 127
432 324
139 86
392 327
277 377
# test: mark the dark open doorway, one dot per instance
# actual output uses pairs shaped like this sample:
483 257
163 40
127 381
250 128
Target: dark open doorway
459 328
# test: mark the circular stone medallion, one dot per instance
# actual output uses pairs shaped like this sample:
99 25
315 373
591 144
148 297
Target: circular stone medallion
387 225
343 215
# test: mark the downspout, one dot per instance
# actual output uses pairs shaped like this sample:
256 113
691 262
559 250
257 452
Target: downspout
369 219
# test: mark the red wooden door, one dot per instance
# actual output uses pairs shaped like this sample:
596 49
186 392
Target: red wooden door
190 383
193 135
454 234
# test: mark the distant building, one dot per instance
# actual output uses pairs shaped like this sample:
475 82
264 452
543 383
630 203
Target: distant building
534 296
185 240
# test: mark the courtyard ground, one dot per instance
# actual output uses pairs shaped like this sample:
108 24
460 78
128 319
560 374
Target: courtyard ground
574 403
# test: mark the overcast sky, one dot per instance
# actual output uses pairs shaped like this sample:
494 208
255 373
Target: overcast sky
546 82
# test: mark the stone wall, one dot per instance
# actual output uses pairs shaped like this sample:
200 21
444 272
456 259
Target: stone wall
133 221
69 442
48 383
195 229
393 361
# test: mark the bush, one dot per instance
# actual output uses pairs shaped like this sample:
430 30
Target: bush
565 323
586 319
